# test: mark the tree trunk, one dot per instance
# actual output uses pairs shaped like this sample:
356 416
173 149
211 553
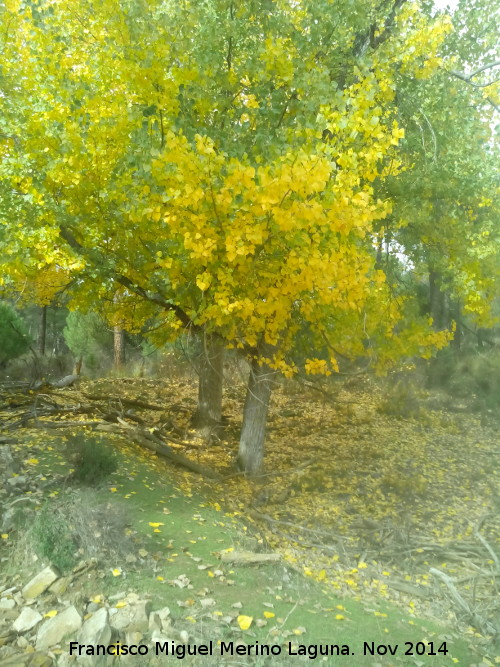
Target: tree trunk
42 331
119 347
457 338
210 382
253 430
437 305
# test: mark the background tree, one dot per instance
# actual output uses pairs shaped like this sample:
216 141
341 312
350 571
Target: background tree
14 340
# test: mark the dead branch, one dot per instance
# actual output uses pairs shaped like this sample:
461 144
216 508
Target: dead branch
132 402
146 439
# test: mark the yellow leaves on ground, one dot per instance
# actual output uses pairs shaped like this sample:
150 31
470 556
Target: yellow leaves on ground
244 621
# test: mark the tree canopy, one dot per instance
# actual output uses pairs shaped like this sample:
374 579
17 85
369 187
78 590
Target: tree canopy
232 167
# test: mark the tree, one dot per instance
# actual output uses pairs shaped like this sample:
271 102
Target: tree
14 340
218 165
88 338
445 214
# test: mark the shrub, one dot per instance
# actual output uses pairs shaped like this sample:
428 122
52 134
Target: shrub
93 460
53 539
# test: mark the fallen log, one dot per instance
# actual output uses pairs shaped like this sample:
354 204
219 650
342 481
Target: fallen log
248 558
145 439
132 402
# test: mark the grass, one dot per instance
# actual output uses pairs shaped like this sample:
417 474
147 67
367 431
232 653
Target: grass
169 553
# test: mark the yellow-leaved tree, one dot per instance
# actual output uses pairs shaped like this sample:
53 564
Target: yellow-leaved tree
211 166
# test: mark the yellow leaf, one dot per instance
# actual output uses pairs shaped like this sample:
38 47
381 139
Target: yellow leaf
5 536
339 617
120 604
51 614
116 572
269 614
245 621
155 525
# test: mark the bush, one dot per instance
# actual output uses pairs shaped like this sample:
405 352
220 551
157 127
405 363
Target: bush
53 539
402 401
92 459
14 340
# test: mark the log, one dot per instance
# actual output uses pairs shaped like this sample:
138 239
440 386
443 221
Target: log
248 558
66 381
145 439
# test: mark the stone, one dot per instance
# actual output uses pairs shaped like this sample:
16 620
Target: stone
40 660
14 482
39 584
132 618
7 603
7 460
22 642
60 586
96 629
17 660
133 638
55 629
26 620
160 620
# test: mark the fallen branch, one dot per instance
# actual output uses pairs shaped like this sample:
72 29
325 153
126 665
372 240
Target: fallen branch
150 442
132 402
248 558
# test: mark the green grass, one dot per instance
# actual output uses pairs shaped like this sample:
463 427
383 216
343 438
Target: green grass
185 548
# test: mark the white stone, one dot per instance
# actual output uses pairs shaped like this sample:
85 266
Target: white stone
39 584
26 620
56 628
96 629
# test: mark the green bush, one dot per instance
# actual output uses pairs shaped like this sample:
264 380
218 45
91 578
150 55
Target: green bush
53 539
93 461
14 340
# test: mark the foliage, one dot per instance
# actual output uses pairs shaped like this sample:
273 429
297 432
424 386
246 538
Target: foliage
221 172
93 460
87 336
14 340
53 539
473 375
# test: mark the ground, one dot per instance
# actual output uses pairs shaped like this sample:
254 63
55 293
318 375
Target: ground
384 509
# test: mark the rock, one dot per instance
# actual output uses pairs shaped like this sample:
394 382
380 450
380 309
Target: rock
40 660
96 629
92 607
7 603
6 460
132 618
56 628
39 584
26 620
17 660
60 586
15 482
133 638
160 620
22 642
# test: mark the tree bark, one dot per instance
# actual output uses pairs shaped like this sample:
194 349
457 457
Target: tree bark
210 382
119 347
42 332
437 304
253 430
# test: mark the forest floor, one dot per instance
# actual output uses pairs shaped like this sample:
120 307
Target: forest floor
385 510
